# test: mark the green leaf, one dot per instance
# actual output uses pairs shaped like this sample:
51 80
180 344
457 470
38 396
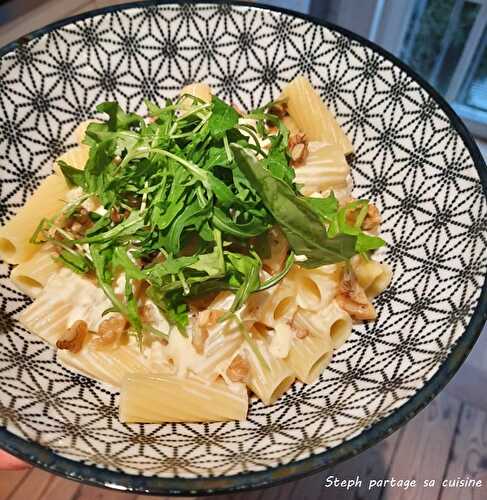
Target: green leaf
192 217
74 261
245 230
326 208
132 308
122 260
223 118
277 163
299 222
174 309
366 243
246 269
158 273
209 263
74 177
117 118
216 156
127 227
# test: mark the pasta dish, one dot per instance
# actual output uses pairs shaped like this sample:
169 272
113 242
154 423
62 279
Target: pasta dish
199 255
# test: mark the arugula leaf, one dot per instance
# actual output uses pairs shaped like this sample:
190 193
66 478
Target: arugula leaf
244 230
174 309
209 263
122 260
223 118
117 118
74 177
133 308
245 270
299 222
74 261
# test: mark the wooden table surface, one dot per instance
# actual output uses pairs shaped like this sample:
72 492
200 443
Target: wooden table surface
445 441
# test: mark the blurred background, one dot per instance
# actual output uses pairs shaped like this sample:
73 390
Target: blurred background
445 41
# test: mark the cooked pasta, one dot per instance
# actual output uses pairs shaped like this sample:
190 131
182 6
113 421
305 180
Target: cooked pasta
166 398
49 197
31 276
312 116
200 255
324 169
269 380
309 356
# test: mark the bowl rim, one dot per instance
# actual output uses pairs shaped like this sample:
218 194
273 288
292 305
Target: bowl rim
39 456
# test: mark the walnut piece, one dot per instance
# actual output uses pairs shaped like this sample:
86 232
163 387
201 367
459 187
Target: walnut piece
239 369
372 219
110 331
79 222
352 298
72 340
278 109
298 148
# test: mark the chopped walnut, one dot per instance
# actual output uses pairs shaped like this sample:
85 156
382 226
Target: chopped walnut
279 249
132 200
117 216
72 340
300 332
202 302
79 222
279 109
110 331
372 219
239 369
352 298
202 321
298 148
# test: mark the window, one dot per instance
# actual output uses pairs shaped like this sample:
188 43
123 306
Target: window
445 41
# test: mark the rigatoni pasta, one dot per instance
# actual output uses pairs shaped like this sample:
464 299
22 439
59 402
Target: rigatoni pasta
200 256
312 116
48 198
166 398
31 276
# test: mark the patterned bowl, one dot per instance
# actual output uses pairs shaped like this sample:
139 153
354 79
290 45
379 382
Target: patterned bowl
414 158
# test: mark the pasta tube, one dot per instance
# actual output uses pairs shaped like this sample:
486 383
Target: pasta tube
269 382
31 276
309 356
312 116
374 277
325 169
168 398
45 202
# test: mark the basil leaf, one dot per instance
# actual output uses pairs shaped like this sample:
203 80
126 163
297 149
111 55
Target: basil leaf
299 222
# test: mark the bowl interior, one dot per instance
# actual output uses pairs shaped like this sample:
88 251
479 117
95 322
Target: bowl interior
410 160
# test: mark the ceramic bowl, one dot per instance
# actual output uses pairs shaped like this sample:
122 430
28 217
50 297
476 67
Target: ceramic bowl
414 159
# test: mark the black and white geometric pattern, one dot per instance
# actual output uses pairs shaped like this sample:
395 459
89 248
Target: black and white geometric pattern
409 160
